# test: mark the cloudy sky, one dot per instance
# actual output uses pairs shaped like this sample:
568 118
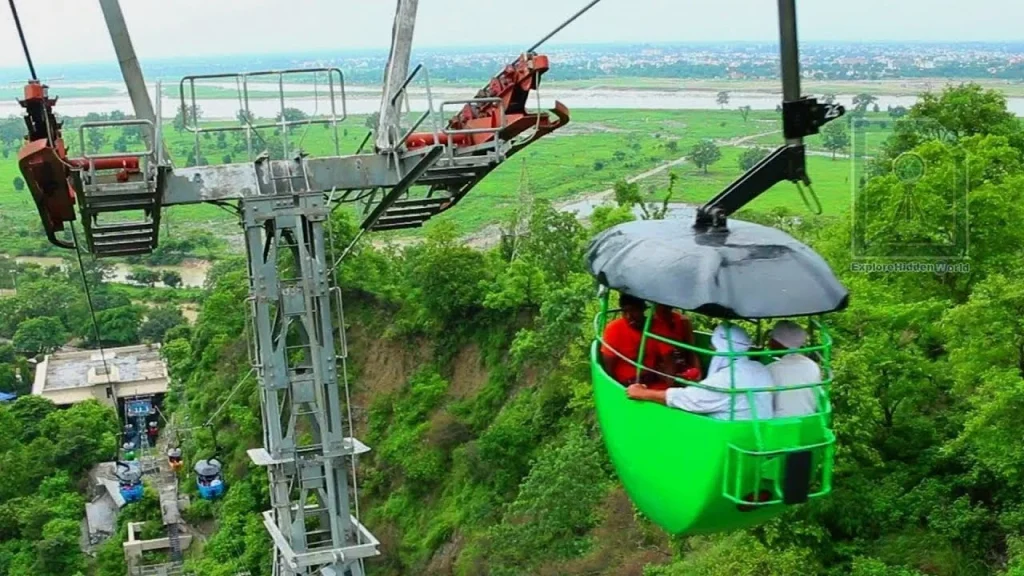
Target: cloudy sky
73 30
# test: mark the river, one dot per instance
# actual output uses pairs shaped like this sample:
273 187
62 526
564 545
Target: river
365 100
193 272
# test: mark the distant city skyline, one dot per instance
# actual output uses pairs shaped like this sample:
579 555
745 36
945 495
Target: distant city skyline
73 31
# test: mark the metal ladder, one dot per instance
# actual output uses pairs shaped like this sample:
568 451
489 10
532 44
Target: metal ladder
106 190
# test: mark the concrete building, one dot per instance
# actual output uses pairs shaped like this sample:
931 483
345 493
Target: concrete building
67 378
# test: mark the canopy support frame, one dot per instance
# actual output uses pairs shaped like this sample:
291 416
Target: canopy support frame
801 116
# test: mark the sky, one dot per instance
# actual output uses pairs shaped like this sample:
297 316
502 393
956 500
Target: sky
72 31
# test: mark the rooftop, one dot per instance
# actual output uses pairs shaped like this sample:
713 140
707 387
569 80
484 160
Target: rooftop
69 370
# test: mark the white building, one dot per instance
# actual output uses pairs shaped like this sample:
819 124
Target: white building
67 378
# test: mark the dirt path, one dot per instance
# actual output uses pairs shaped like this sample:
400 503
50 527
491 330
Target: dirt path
489 236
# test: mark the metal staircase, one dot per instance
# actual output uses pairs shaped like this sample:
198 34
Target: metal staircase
175 543
487 130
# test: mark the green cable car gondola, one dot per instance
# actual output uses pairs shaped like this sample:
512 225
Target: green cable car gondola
691 473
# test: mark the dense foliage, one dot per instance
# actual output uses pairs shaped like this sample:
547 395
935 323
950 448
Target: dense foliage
44 453
50 307
505 473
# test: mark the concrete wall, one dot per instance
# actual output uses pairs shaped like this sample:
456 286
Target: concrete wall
133 548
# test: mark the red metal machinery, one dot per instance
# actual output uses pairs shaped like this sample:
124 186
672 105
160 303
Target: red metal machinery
46 168
512 86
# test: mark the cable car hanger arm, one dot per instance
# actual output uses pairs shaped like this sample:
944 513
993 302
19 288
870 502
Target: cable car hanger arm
801 117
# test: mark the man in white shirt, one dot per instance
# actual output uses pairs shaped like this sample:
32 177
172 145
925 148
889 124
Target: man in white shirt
793 370
748 373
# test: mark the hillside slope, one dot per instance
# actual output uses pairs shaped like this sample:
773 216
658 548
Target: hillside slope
471 384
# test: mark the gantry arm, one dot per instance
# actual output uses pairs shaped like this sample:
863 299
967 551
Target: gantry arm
130 68
395 73
800 117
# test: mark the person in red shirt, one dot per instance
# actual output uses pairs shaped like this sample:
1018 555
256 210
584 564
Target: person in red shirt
621 340
673 325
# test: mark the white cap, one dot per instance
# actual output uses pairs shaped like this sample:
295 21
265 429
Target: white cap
728 333
789 334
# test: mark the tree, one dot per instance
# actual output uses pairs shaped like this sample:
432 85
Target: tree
19 184
834 137
704 154
170 278
120 326
12 130
97 138
117 116
897 112
723 98
245 117
372 120
752 156
187 116
745 112
627 195
142 275
875 108
40 335
672 146
227 159
292 115
159 321
862 101
58 551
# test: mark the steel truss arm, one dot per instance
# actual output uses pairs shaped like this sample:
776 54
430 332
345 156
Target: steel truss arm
254 179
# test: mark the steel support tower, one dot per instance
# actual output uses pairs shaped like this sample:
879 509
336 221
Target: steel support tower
308 449
285 199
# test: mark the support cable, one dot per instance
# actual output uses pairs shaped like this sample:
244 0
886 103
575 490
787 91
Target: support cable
24 43
74 234
228 399
92 311
561 26
340 321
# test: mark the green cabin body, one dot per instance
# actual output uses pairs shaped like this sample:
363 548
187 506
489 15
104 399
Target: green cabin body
694 474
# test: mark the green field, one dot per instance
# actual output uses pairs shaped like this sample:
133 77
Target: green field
597 148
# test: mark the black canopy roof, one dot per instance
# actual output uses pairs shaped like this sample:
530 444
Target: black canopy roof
209 467
744 271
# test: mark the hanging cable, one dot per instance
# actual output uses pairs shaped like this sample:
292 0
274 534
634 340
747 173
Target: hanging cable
563 25
24 44
92 311
228 399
